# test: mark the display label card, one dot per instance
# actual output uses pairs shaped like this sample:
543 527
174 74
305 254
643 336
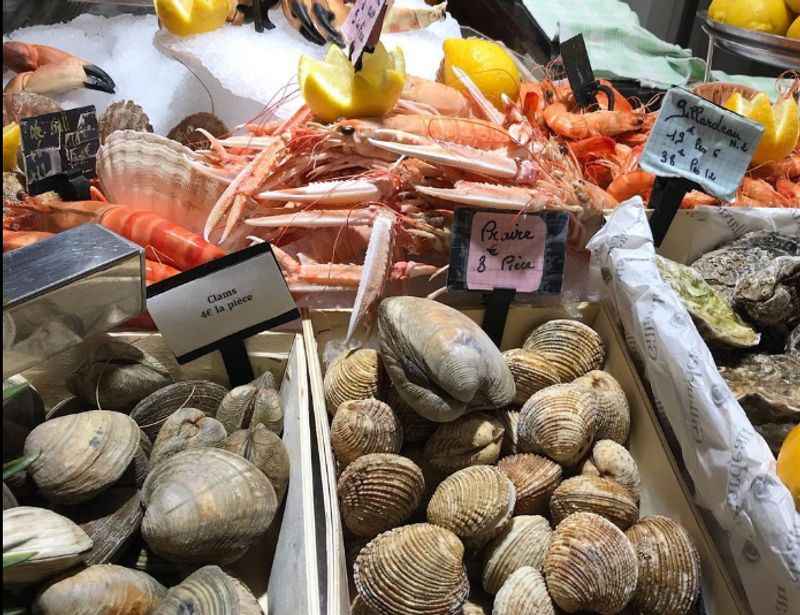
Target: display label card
359 29
701 142
229 299
508 250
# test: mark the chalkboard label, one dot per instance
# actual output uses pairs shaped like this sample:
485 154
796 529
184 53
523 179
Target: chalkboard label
579 70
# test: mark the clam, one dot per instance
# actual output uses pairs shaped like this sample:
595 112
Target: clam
441 363
611 460
153 410
473 608
143 559
359 607
534 477
615 415
522 543
416 428
413 570
252 404
69 405
9 501
117 375
184 429
57 544
474 439
509 418
205 504
524 593
378 492
209 591
559 421
80 455
264 449
101 590
771 296
532 372
353 375
475 503
122 115
364 426
601 496
572 348
590 565
669 567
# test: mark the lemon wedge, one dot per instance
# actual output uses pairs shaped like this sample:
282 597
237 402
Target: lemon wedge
794 29
11 141
489 66
789 464
781 124
188 17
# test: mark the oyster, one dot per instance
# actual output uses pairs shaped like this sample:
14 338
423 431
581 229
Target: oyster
715 319
524 593
509 418
534 477
184 429
532 372
250 404
266 451
156 408
441 363
771 296
597 495
793 342
474 439
18 106
122 115
523 542
615 416
364 426
185 132
613 461
209 590
353 375
572 348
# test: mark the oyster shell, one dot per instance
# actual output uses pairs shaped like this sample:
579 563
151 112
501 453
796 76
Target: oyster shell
613 461
248 405
771 296
441 363
353 375
597 495
263 448
122 115
209 590
615 415
590 565
378 492
524 593
156 408
474 439
793 342
572 347
364 426
475 503
185 132
523 542
532 372
416 429
509 418
534 477
18 106
669 567
436 583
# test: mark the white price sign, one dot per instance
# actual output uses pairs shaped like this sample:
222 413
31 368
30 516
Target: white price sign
359 25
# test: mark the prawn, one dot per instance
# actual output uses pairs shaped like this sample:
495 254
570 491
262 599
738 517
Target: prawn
578 126
790 190
432 95
474 132
631 184
762 192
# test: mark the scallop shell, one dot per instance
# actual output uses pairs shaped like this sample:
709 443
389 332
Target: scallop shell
590 565
597 495
354 375
249 405
185 132
441 363
209 591
615 415
80 455
266 451
669 567
532 372
364 426
378 492
416 429
156 408
101 590
474 439
475 503
534 477
523 543
559 421
122 115
524 593
509 418
613 461
436 583
57 543
572 347
184 429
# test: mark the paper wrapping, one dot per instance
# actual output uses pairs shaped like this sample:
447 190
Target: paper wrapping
730 464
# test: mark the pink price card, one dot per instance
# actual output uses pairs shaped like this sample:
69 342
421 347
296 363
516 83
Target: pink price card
359 25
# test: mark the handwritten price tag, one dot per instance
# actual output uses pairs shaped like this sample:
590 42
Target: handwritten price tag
360 25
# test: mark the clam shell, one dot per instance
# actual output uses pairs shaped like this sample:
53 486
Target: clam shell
364 426
185 132
441 363
57 542
473 608
590 565
436 583
522 543
532 372
353 375
615 415
560 422
509 418
266 451
534 477
184 429
597 495
669 567
474 439
249 405
378 492
101 590
524 593
211 499
209 591
80 455
143 559
122 115
475 503
153 410
416 428
572 347
359 607
613 461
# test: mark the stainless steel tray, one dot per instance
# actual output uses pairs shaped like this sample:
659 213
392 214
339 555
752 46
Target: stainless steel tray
779 51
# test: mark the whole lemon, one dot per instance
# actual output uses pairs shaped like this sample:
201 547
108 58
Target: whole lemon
794 5
794 29
770 16
489 66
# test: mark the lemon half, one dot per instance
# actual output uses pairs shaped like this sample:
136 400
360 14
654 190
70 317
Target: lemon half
187 17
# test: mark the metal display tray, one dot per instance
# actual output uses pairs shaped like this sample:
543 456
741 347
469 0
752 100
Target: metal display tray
779 51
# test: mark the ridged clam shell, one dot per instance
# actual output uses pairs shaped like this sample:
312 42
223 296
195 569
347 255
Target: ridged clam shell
572 347
590 565
122 115
250 404
669 567
378 492
613 461
80 455
523 542
416 429
509 418
475 503
413 570
534 477
524 593
560 422
359 607
184 429
474 439
209 591
532 372
364 426
356 374
153 410
615 415
601 496
472 608
264 449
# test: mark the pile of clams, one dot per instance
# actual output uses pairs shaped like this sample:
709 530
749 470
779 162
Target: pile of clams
481 482
141 486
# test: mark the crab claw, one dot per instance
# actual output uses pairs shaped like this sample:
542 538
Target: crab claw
297 15
325 20
345 192
63 76
98 79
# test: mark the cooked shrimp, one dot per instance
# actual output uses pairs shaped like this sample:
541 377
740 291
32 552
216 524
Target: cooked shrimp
437 96
583 125
477 133
632 184
763 192
790 190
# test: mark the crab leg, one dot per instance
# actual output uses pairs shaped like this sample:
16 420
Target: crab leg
315 219
329 193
